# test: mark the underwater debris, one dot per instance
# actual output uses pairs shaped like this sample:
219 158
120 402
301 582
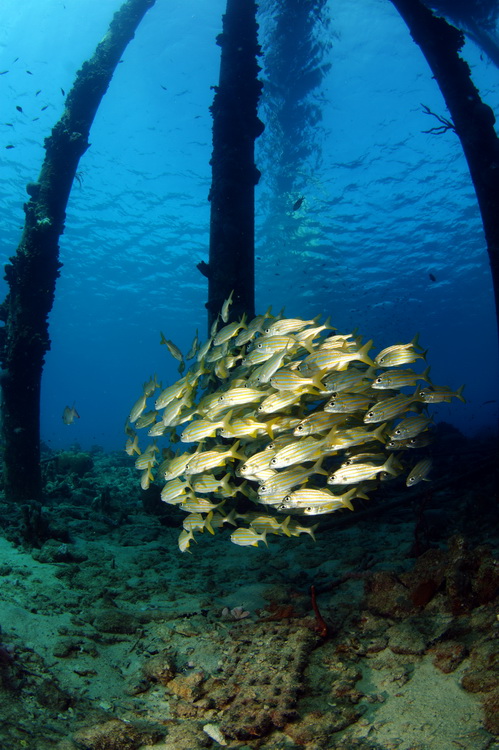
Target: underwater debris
280 409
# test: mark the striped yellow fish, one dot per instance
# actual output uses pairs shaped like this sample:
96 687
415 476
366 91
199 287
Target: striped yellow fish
206 460
137 408
279 401
199 430
174 350
306 449
290 380
400 354
335 359
390 408
360 472
198 522
308 497
248 537
317 422
228 332
396 379
410 427
344 403
226 307
440 394
339 439
184 539
420 472
175 491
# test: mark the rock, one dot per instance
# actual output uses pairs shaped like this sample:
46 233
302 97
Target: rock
483 673
116 621
50 695
404 638
74 463
187 687
447 656
491 710
113 735
159 668
386 596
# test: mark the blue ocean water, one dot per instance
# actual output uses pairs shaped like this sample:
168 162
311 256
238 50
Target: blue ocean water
384 203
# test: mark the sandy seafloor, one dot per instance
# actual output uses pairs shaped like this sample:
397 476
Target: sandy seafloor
111 638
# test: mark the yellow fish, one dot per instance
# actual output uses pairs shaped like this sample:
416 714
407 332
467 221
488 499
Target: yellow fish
69 414
137 408
419 472
226 307
248 537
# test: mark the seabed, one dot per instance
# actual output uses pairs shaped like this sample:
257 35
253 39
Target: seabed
113 639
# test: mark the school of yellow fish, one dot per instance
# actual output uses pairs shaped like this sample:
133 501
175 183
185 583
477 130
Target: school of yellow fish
284 418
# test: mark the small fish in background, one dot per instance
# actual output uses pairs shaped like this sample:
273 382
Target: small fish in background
69 414
172 348
226 307
432 277
297 204
420 472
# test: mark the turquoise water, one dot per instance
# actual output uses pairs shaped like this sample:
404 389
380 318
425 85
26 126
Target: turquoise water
384 204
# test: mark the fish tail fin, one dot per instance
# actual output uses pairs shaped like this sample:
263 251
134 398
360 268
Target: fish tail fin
207 522
226 420
311 530
363 355
391 465
317 467
458 394
234 452
347 498
270 428
316 380
284 526
225 481
425 375
379 433
307 344
415 341
231 518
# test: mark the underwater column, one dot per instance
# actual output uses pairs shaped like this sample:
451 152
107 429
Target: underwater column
234 174
472 120
32 272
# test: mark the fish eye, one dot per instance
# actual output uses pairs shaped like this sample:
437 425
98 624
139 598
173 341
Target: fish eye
263 488
398 432
370 414
273 461
300 427
378 380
